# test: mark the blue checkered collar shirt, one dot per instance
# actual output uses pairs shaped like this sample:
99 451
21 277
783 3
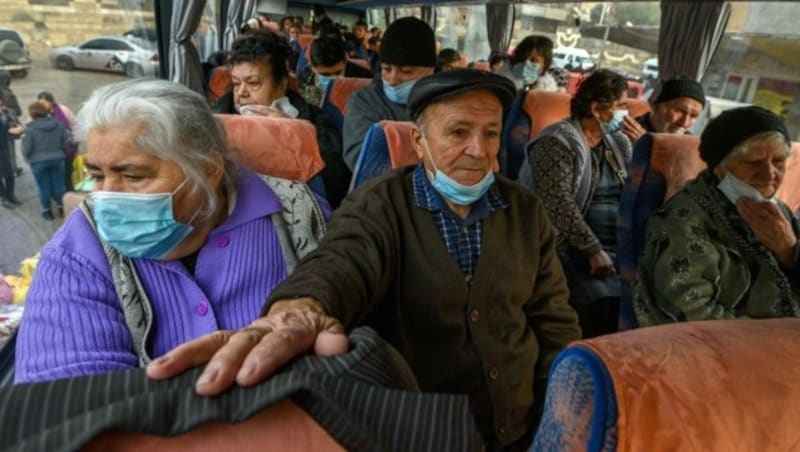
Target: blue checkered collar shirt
463 237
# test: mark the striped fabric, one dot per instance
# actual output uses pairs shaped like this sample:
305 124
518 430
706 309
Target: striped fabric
463 237
366 399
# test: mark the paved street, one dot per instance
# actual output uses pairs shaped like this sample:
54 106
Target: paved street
22 230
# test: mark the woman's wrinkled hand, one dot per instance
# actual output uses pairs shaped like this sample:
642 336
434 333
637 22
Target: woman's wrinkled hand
632 129
252 354
601 265
771 228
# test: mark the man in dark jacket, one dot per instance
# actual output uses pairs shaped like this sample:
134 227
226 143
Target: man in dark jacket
328 61
675 110
452 265
408 53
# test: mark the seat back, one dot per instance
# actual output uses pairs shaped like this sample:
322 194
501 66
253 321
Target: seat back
481 66
387 145
219 83
334 102
284 426
530 112
304 40
690 385
662 164
278 147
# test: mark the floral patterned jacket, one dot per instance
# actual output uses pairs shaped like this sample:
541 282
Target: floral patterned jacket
701 262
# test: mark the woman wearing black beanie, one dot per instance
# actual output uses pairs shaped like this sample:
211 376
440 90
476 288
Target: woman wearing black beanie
725 246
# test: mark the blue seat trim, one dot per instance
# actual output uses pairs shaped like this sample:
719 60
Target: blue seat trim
330 109
373 160
512 149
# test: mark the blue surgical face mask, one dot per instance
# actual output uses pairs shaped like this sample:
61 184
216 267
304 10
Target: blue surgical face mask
139 225
398 94
453 191
323 82
526 70
615 124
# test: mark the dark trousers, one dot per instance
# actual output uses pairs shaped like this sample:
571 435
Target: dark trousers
7 188
49 176
68 173
599 317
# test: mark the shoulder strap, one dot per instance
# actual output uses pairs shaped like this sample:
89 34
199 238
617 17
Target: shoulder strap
300 224
133 298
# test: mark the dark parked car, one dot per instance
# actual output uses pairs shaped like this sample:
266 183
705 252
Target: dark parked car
15 57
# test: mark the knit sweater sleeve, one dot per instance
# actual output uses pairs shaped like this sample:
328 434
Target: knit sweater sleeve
553 174
73 324
355 263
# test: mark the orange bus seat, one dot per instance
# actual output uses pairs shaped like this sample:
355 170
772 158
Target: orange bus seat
305 40
387 145
545 108
727 385
278 147
334 102
219 83
635 90
283 426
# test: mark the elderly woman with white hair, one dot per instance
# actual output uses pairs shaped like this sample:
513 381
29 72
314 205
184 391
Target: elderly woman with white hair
175 241
725 247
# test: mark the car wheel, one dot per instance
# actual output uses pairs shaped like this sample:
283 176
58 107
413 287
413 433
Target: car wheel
134 70
64 62
22 73
10 51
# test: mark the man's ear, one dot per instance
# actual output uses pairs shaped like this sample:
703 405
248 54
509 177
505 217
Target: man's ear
416 141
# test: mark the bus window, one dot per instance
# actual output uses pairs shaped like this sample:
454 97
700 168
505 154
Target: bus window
758 61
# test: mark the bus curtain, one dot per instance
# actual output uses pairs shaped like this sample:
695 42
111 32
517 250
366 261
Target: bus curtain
689 36
499 25
184 61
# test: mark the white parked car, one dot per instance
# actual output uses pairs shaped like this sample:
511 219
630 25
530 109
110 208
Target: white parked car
133 56
650 68
573 59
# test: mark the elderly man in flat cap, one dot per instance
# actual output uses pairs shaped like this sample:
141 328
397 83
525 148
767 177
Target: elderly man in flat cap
725 247
454 266
675 110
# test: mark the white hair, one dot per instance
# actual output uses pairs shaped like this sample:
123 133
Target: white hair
175 124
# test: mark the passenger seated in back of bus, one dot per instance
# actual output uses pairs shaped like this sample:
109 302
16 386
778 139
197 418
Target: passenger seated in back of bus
725 247
529 63
408 53
674 110
449 59
260 87
452 265
577 167
328 62
182 226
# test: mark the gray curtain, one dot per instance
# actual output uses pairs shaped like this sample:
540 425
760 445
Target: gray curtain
429 16
390 15
499 25
184 61
249 10
690 34
233 22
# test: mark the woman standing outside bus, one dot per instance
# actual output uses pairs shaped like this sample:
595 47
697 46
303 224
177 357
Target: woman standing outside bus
44 147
